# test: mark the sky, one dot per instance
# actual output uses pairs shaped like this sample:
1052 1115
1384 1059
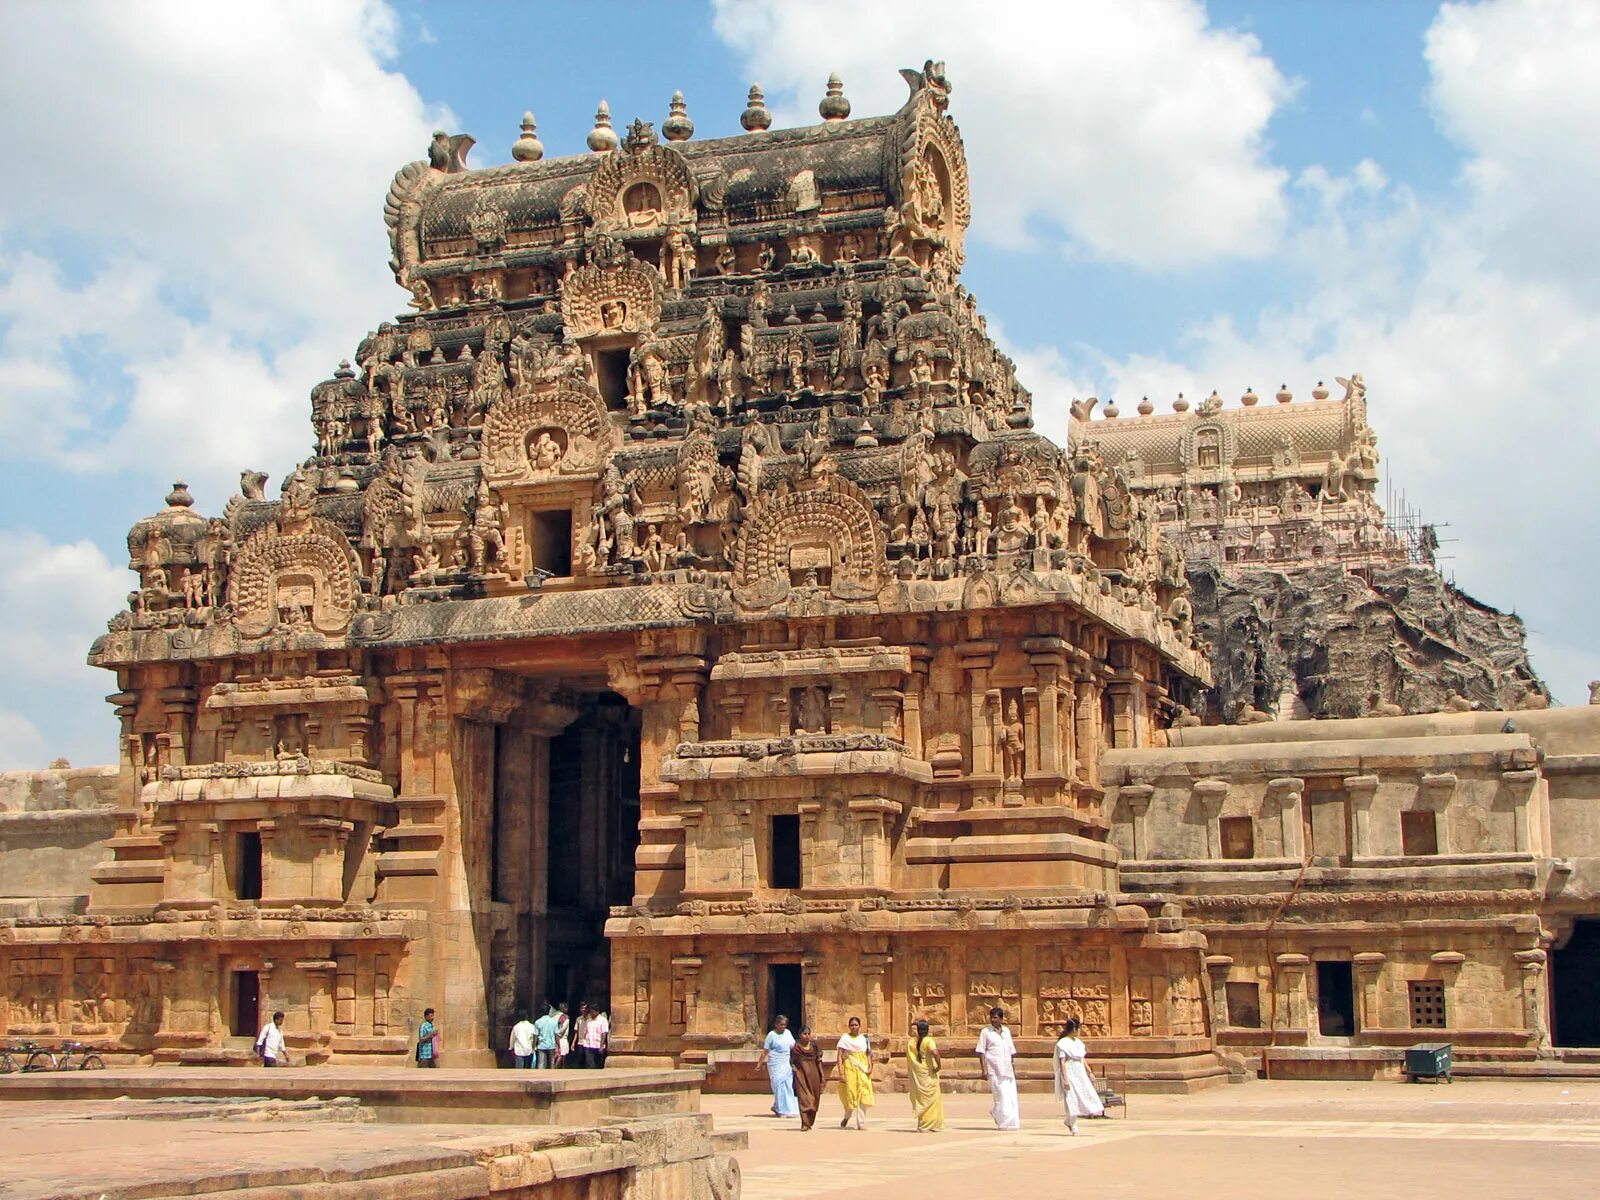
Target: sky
1169 196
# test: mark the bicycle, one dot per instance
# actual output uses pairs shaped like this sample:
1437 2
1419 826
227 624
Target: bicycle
25 1056
76 1056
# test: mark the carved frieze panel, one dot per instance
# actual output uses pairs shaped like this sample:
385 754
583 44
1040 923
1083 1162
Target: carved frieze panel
994 979
826 536
305 579
928 991
614 293
643 188
532 435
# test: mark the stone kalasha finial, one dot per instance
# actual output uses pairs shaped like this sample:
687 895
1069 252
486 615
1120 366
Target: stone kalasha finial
755 117
834 106
1145 407
602 137
1249 398
1111 412
179 496
1284 394
1180 404
344 370
1320 392
528 147
677 127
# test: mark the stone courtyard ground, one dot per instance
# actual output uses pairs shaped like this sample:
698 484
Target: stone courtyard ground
1312 1140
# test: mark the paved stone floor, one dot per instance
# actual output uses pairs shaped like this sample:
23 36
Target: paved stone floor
1308 1140
1355 1141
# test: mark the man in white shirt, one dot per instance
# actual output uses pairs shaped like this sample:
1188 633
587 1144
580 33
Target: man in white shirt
523 1037
995 1056
594 1031
269 1043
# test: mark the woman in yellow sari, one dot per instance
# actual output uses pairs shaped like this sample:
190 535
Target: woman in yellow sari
854 1073
922 1069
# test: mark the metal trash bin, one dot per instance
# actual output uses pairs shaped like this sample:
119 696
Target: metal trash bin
1430 1062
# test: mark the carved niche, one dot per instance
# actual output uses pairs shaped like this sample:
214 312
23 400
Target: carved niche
933 174
613 293
641 187
305 578
825 536
555 433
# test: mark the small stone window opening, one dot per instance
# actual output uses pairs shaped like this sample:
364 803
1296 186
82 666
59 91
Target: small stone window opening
1244 1005
611 376
785 851
550 541
1427 1003
1419 833
1238 837
247 866
810 565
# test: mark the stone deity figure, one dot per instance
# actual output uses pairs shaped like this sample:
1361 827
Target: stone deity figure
679 258
614 512
546 452
983 534
647 376
613 314
728 381
1040 524
921 374
1013 531
653 550
1332 479
811 711
1012 744
727 262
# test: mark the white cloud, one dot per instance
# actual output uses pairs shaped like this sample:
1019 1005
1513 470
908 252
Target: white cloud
218 173
1126 130
22 746
1475 318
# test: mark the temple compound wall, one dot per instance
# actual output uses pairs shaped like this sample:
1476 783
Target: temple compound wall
678 612
54 826
1365 885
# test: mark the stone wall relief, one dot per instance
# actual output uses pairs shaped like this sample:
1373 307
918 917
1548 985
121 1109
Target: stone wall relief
299 574
531 435
823 535
614 293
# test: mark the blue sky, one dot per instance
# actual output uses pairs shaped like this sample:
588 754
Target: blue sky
1169 196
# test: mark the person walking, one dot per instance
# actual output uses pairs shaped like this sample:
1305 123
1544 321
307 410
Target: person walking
546 1032
854 1073
523 1038
775 1056
806 1062
1074 1088
430 1042
996 1055
269 1043
922 1072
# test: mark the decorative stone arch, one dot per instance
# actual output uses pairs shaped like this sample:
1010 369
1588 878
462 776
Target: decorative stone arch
933 164
831 528
621 298
1207 433
277 576
573 417
625 174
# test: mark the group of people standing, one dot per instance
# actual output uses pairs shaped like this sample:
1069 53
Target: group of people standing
795 1071
555 1040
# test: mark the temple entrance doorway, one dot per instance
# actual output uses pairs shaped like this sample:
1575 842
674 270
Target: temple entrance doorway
1575 986
1336 999
785 994
244 1019
564 834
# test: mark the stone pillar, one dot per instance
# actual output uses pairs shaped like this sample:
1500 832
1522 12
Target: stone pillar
1434 793
1534 1006
1361 789
1047 656
177 706
1088 729
1137 796
1288 793
810 986
1217 967
1292 991
977 658
1211 794
748 1008
685 984
1368 969
1520 785
874 965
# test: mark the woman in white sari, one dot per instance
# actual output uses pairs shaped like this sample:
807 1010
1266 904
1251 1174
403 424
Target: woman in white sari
1074 1088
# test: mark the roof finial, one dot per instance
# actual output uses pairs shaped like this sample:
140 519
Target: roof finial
677 127
834 106
528 147
602 137
755 117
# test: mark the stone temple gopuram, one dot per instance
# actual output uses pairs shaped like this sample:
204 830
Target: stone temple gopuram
679 611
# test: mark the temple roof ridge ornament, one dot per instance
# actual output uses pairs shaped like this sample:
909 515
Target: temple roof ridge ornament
602 137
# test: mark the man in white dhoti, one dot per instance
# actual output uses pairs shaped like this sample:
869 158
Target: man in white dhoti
995 1055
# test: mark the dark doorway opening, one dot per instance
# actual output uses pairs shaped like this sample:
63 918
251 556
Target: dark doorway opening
1575 987
611 375
246 1016
249 873
785 994
785 865
1336 999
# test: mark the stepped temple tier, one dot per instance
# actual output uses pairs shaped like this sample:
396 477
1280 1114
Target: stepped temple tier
679 612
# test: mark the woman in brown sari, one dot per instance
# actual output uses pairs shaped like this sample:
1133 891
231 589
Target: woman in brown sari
806 1061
